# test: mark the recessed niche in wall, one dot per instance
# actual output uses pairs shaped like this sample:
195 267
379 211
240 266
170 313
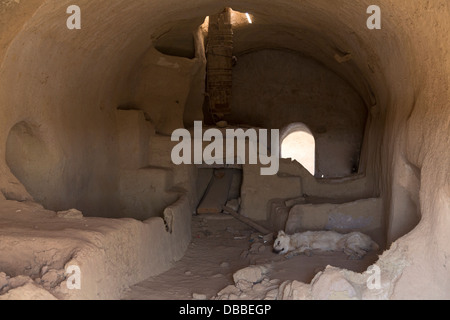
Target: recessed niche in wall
29 159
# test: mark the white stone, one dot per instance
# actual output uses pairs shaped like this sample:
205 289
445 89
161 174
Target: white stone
332 285
229 290
28 291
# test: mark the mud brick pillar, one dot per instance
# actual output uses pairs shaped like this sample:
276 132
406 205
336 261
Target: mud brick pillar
219 56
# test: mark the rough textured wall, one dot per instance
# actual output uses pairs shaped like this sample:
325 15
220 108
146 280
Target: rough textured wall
71 83
74 118
274 88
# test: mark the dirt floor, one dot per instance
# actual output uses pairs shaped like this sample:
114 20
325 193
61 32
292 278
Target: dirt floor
222 245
